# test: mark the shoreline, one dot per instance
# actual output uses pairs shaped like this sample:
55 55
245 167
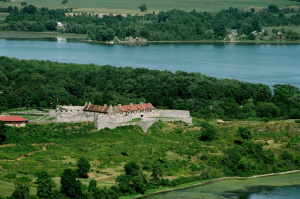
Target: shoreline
45 35
215 180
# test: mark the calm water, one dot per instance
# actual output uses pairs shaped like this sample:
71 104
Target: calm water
273 187
267 64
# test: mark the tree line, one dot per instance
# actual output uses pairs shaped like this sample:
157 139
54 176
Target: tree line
33 83
173 25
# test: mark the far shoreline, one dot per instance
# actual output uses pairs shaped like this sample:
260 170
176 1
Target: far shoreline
82 37
213 181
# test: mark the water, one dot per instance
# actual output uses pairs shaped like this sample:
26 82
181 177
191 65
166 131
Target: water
272 187
267 192
267 64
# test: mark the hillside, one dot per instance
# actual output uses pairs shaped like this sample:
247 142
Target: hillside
180 151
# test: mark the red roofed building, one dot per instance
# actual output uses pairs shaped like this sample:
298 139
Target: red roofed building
120 109
106 110
17 121
134 108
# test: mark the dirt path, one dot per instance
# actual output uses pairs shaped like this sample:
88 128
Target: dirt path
44 145
33 152
217 180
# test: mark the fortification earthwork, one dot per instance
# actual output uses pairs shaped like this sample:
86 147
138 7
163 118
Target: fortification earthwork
121 115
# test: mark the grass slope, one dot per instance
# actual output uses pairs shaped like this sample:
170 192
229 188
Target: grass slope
131 6
108 150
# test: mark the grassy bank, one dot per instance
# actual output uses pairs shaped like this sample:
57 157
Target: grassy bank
45 35
131 6
39 35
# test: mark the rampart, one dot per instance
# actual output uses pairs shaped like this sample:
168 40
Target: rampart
75 114
147 120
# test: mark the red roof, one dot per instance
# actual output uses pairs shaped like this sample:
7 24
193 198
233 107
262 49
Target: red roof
96 108
135 107
13 119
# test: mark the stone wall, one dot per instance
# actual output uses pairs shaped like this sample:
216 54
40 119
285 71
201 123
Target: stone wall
147 121
105 121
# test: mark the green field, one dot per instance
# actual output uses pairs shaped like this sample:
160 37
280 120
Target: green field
35 35
3 16
131 6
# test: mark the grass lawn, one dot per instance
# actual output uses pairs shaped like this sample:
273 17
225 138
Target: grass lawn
287 28
3 16
30 117
131 6
34 35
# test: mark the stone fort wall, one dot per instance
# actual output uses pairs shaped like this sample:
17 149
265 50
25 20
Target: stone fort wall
104 121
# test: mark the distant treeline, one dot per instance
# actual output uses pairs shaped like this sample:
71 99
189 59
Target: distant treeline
174 25
46 84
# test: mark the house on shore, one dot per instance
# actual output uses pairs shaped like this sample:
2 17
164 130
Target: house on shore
17 121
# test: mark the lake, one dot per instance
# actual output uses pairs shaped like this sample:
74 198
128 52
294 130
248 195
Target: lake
279 187
265 63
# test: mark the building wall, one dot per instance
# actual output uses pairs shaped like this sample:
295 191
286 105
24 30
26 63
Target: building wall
112 121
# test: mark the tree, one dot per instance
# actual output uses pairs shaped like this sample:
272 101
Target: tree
69 185
208 132
143 7
3 104
267 110
156 173
133 181
131 168
83 168
45 185
273 8
244 133
22 188
50 25
64 2
3 130
23 3
92 185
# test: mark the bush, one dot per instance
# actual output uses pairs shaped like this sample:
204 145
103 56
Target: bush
208 132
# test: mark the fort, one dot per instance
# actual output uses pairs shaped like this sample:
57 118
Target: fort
143 115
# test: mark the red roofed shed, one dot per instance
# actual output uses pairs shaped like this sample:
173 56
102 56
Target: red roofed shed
17 121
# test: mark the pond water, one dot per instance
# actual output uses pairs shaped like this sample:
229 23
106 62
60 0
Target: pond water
273 187
266 64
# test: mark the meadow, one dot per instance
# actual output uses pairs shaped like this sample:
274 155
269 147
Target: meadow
175 145
131 6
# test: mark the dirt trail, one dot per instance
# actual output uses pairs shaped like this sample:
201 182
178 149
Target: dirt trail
44 145
33 152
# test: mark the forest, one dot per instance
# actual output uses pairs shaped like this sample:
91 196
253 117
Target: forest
45 84
173 25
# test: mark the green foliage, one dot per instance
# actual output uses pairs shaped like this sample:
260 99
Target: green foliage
64 2
22 188
2 132
92 185
40 83
133 181
50 25
69 185
157 173
208 132
83 168
269 110
143 7
244 133
163 26
45 185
